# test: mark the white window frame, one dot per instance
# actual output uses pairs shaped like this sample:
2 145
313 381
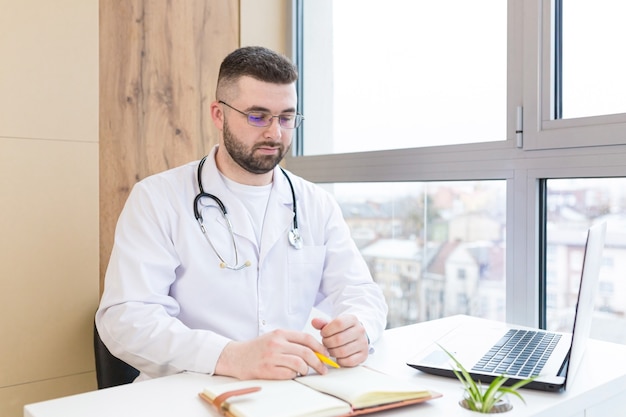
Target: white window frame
540 130
550 149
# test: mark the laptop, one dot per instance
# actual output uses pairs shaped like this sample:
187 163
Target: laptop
485 349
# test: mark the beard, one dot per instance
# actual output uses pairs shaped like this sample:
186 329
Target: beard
244 157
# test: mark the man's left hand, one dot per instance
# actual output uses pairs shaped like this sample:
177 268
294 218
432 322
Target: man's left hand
345 338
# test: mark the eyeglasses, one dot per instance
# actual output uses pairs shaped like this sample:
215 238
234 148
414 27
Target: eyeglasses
264 119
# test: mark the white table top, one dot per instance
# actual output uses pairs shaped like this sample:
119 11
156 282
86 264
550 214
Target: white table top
602 376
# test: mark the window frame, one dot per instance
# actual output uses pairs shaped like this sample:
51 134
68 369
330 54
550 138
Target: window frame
541 131
550 149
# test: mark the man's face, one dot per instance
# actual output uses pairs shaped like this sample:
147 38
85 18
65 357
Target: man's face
258 149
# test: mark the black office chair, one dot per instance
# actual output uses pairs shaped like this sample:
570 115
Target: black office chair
110 370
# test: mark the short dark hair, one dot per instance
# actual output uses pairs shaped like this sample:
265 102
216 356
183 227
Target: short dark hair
257 62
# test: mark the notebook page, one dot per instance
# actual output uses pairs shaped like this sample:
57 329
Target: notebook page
363 387
279 399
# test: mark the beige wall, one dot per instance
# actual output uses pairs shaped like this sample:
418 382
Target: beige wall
266 23
49 241
49 203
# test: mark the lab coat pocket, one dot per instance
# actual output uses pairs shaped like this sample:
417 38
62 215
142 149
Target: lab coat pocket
305 274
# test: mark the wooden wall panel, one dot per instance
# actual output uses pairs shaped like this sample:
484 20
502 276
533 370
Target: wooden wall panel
159 61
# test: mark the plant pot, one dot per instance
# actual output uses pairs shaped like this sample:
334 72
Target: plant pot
502 406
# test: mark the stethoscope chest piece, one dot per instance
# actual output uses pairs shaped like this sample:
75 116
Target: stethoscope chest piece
295 239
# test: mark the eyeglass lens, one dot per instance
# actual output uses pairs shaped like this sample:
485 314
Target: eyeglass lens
288 121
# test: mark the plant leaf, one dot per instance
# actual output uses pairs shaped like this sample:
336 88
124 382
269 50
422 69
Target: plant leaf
520 384
476 399
508 390
491 395
466 377
473 389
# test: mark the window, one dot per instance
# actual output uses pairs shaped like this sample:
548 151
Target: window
572 206
389 86
593 81
441 240
515 179
580 84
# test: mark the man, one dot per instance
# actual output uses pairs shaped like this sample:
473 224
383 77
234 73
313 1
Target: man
191 288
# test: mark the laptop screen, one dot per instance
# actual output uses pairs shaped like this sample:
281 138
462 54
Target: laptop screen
586 296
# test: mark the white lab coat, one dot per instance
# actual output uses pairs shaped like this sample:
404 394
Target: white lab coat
168 307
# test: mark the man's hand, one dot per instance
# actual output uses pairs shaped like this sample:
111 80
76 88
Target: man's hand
345 338
280 354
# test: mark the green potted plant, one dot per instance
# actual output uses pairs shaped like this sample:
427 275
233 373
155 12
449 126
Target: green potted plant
489 399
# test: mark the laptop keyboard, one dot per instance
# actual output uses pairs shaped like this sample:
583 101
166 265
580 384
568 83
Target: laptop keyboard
519 353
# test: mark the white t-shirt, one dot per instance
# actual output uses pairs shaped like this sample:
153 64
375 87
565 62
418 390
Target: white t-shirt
255 199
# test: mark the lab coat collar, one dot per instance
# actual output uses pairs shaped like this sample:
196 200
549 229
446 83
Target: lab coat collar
279 216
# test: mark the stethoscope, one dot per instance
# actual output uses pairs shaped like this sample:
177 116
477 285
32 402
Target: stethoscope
293 236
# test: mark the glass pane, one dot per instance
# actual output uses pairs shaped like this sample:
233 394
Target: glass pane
402 74
436 248
594 63
573 205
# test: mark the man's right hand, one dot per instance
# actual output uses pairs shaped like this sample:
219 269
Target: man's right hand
280 354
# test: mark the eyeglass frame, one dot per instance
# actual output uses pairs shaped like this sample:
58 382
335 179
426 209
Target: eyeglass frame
267 117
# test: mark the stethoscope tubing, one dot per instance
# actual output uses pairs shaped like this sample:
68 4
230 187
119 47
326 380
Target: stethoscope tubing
294 234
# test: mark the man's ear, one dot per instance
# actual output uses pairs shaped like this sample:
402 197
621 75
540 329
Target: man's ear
217 115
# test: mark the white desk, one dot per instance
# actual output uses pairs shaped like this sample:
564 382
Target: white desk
599 388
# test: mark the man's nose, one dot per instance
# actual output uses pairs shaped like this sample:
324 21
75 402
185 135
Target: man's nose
275 128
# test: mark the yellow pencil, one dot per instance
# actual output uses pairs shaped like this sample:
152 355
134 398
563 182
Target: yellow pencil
327 360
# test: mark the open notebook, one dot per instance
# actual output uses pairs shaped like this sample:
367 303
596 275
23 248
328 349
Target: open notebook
341 392
493 348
